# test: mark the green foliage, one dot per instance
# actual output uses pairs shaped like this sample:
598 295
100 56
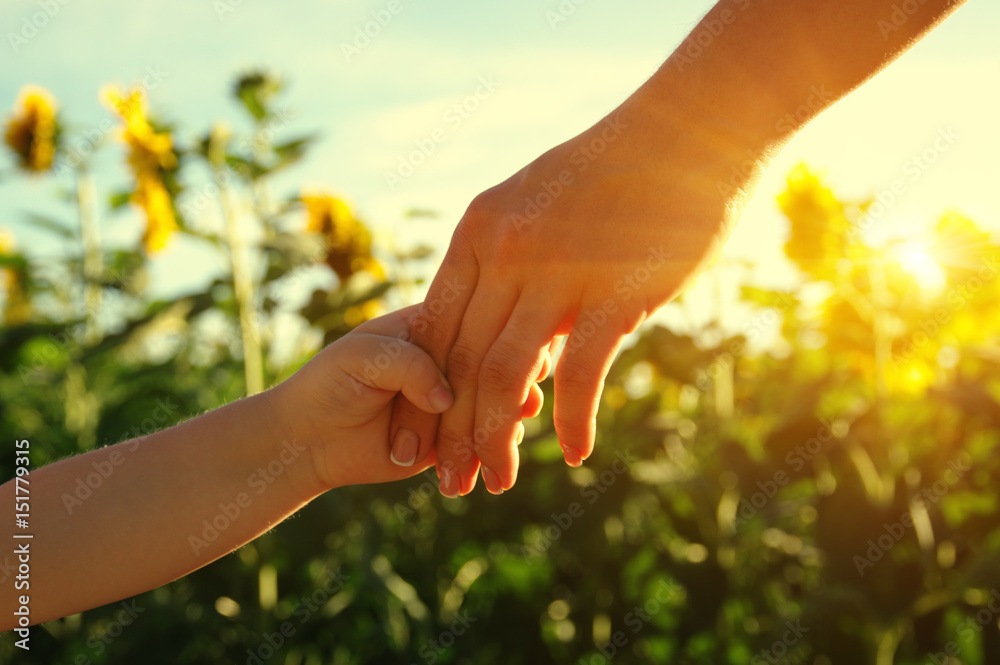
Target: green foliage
834 504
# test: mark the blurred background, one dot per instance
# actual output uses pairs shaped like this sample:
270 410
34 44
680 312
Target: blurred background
795 460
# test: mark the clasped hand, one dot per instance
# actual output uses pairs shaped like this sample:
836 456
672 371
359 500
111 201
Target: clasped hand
586 242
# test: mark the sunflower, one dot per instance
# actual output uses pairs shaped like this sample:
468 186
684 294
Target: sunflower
152 196
150 155
17 307
818 224
355 315
348 241
31 131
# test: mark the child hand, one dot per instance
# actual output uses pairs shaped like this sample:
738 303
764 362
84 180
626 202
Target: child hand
339 405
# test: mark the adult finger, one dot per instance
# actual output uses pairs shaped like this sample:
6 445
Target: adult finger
508 371
485 318
543 373
533 404
579 379
434 327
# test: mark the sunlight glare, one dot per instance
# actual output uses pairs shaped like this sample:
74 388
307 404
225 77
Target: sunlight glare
914 258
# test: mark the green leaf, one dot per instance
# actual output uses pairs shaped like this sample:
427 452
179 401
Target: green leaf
418 252
248 169
256 89
15 261
780 300
422 213
292 151
119 200
50 224
125 271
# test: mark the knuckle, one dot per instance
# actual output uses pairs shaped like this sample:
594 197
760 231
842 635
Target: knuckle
509 245
409 414
490 449
463 366
499 373
453 445
464 239
429 330
572 428
482 207
488 226
573 377
493 438
418 367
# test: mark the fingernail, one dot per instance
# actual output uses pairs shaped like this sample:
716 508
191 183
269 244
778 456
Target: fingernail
404 447
519 437
572 455
441 398
449 485
492 481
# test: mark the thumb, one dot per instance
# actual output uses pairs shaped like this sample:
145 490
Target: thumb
394 365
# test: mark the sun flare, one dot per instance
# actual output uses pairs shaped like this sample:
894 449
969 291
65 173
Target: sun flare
915 259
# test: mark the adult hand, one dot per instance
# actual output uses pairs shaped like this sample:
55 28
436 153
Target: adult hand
602 230
587 240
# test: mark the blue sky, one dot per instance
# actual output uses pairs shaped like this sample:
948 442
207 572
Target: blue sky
551 82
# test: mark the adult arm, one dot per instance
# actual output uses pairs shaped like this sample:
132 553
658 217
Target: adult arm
599 232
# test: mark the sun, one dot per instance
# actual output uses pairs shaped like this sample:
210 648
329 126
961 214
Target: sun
915 259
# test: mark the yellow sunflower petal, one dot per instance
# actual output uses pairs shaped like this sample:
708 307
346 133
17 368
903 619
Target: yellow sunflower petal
31 131
155 202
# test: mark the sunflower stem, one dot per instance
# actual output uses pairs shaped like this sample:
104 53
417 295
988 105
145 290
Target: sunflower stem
93 263
244 291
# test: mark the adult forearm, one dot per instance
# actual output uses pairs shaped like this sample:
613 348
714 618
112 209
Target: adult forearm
123 519
755 71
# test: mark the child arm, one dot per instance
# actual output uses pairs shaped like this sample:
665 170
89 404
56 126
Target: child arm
171 502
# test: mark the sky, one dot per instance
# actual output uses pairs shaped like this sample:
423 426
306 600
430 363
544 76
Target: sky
533 84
